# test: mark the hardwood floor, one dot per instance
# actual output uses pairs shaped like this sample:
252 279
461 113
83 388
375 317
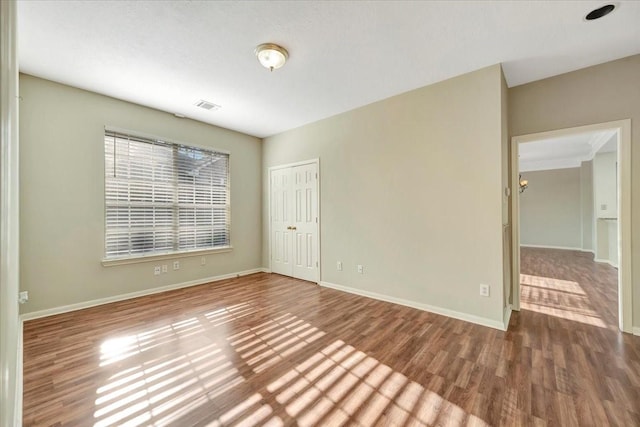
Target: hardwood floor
270 350
570 285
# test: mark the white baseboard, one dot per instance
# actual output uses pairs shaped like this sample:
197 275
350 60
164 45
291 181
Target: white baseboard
425 307
17 411
606 261
566 248
636 331
107 300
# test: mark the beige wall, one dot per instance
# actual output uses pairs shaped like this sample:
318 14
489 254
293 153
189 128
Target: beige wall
411 188
602 93
586 200
605 194
605 184
551 209
607 241
62 196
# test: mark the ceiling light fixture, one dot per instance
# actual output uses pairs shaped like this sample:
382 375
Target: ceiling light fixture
271 55
600 12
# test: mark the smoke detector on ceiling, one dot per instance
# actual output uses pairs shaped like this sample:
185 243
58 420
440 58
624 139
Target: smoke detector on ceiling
207 105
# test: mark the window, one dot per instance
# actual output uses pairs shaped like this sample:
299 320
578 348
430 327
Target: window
163 197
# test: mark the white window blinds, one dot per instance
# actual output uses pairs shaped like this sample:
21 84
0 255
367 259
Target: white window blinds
163 197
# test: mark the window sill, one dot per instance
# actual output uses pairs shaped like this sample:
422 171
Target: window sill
156 257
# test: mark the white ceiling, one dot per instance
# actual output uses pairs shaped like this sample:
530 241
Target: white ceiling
169 54
566 152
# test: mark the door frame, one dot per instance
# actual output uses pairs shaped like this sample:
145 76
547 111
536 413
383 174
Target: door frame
625 288
315 161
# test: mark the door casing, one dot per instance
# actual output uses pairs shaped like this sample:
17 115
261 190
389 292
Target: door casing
625 289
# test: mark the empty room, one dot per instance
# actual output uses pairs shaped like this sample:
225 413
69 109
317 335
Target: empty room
319 213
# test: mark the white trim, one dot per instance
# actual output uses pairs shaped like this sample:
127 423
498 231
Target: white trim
562 248
10 399
559 133
597 142
496 324
156 257
565 248
605 261
17 412
549 164
636 331
515 226
122 297
625 286
506 317
300 163
318 225
135 133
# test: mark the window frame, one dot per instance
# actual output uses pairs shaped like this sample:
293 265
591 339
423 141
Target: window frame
153 256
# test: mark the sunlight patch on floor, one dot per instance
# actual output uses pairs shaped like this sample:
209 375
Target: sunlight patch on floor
165 373
269 343
187 373
119 348
552 284
559 298
341 382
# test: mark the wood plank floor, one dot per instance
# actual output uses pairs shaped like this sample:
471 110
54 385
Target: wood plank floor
270 350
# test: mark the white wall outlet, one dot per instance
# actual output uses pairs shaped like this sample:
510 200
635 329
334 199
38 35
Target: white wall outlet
157 270
203 261
339 266
164 268
360 269
484 290
23 297
176 265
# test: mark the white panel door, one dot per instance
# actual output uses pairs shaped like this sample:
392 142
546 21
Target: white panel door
305 222
294 221
281 221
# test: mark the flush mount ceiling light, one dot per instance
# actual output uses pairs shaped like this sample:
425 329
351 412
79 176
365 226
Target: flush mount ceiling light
271 55
600 12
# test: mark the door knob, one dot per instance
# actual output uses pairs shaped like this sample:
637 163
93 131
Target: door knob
293 228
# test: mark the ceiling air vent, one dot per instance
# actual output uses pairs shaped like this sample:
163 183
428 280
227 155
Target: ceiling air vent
207 105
